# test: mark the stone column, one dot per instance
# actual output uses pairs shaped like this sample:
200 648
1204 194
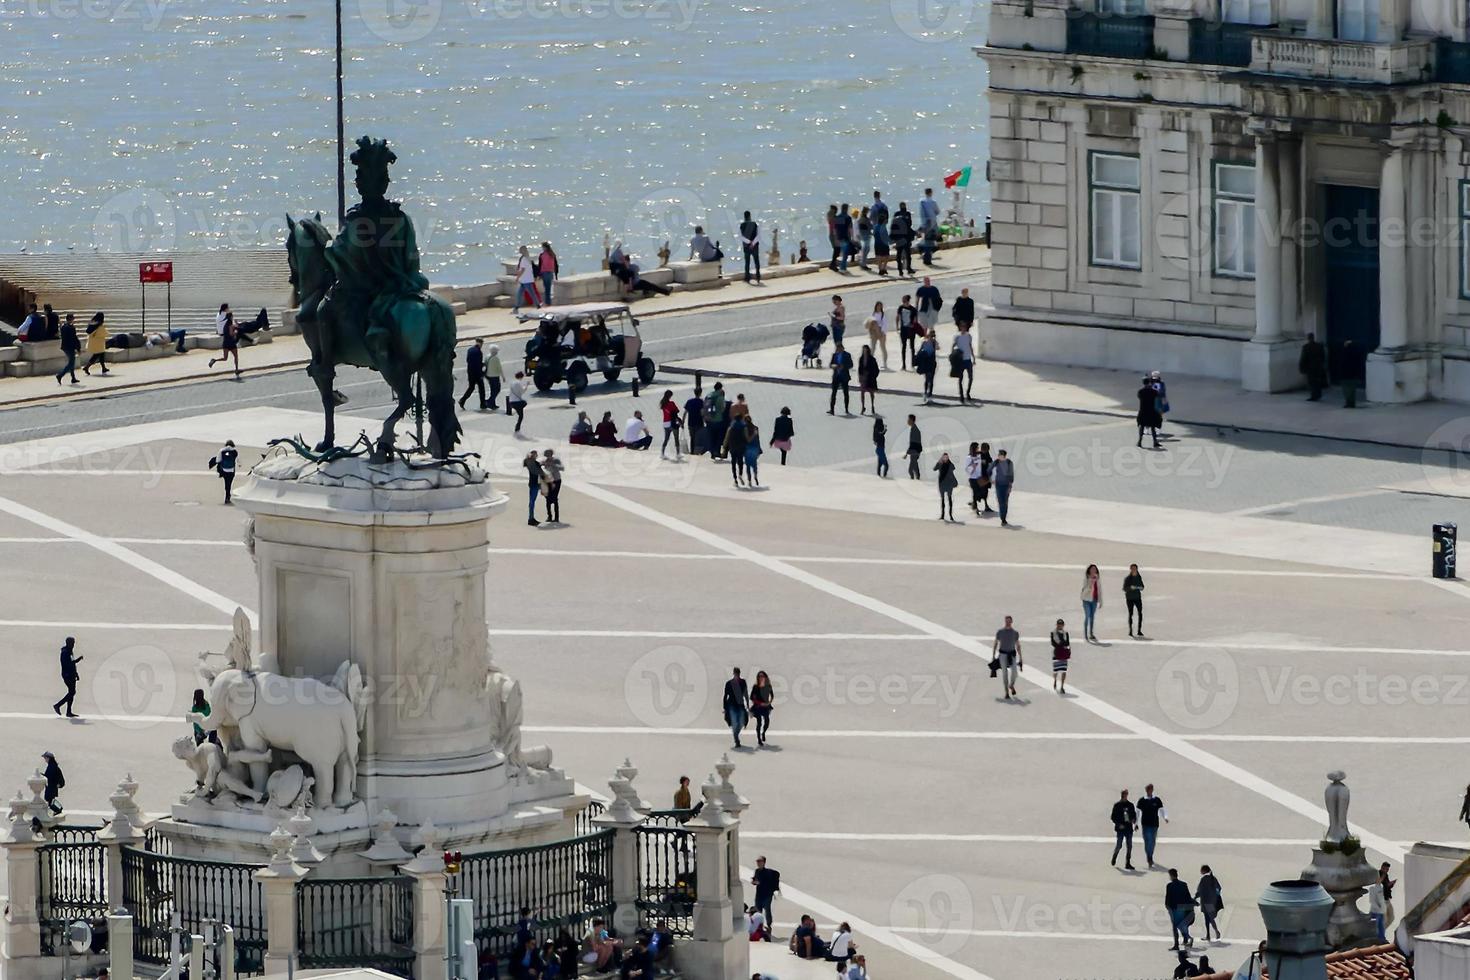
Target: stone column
1288 178
120 947
278 886
734 804
1268 362
119 833
624 815
429 883
22 925
718 949
1396 372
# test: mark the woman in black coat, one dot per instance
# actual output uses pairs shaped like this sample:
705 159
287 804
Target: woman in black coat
1148 412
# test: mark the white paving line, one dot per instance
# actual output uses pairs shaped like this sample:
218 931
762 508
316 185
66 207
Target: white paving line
880 934
102 471
73 624
127 556
710 635
1302 501
1017 839
1179 746
1218 947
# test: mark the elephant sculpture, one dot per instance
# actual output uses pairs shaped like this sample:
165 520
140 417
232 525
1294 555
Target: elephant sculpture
318 721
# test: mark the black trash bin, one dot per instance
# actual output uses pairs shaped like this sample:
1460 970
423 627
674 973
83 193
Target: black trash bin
1444 550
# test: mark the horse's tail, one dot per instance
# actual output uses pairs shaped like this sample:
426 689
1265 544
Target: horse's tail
438 375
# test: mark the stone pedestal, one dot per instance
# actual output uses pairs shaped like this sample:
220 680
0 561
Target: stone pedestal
1399 375
385 566
1346 878
1270 365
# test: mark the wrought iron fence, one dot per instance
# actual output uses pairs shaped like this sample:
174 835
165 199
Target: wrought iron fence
669 818
71 885
585 816
156 887
565 885
666 875
356 922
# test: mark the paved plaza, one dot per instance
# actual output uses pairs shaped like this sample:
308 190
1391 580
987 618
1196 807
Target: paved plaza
1292 630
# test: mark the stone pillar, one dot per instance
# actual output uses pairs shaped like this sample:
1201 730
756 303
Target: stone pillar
1288 176
624 815
718 950
1268 362
22 925
120 947
734 804
119 833
278 887
1396 371
429 885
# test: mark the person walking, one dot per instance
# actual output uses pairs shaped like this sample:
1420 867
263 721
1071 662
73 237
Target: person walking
841 381
1211 900
535 476
832 235
963 310
96 348
842 230
551 470
752 451
878 332
1313 364
1133 597
1125 821
1091 601
736 704
1003 477
867 371
734 448
69 661
964 346
224 464
761 697
865 237
907 315
70 346
716 419
1180 906
880 449
230 341
930 303
494 374
548 267
672 424
1465 807
926 362
973 469
683 799
55 782
750 247
838 320
1352 366
947 483
901 231
781 432
1150 811
525 281
767 882
515 399
878 215
694 423
1387 883
916 447
1148 413
474 365
987 468
1061 655
1007 654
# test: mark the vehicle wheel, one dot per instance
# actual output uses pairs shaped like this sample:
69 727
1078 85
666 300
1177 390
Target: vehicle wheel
645 370
577 377
611 375
545 378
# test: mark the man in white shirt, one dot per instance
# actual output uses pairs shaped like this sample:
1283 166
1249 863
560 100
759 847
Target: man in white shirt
636 434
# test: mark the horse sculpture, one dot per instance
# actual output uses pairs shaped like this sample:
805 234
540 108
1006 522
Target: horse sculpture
364 302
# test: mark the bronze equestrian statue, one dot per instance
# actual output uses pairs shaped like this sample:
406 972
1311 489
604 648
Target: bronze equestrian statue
364 302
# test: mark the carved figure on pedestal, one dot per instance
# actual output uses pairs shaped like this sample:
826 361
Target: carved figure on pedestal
288 788
1336 798
259 710
507 714
214 776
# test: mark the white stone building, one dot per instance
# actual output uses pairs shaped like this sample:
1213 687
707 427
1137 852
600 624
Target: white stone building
1194 185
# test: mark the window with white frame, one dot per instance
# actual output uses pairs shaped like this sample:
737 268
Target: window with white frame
1357 20
1235 220
1114 181
1465 239
1246 11
1121 8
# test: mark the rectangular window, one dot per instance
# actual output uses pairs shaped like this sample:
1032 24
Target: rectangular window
1120 8
1235 220
1465 239
1114 181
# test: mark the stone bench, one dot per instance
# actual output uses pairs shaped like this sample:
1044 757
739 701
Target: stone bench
8 354
41 350
692 272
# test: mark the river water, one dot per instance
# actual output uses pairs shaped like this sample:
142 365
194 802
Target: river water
197 124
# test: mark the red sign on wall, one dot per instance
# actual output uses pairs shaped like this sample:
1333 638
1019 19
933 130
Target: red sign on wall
155 272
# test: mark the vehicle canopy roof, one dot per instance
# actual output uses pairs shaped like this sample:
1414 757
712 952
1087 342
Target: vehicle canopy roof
576 311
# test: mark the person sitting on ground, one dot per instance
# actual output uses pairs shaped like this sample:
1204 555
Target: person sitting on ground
661 943
581 434
638 964
636 434
603 951
550 962
526 965
805 942
606 434
756 929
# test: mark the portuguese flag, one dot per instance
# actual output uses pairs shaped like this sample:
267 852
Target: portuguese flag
960 178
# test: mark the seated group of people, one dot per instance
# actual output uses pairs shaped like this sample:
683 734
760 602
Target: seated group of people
806 944
635 434
599 950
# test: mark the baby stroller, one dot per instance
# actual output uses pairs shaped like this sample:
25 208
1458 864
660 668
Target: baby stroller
813 336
